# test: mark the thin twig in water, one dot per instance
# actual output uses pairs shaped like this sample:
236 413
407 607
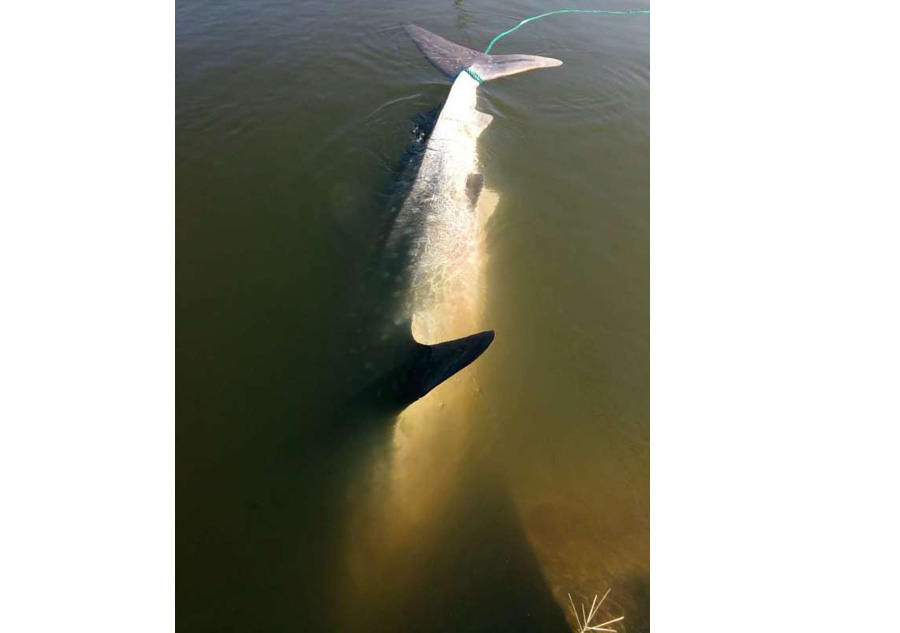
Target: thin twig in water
584 622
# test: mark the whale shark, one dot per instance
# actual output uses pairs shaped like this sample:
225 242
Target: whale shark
440 223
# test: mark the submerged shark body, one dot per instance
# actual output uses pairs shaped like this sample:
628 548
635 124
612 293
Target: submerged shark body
416 491
439 227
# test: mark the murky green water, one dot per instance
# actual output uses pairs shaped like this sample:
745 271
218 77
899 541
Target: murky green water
297 512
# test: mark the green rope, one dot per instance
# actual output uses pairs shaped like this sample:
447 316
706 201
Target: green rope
478 77
544 15
474 75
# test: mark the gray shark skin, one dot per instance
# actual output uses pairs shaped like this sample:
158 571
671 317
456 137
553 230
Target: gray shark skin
439 230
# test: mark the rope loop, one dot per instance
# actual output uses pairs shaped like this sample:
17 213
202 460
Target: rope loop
474 75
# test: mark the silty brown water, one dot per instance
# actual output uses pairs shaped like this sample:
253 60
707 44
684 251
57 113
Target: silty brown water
521 481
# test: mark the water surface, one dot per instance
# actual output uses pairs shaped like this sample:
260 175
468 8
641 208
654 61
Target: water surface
296 512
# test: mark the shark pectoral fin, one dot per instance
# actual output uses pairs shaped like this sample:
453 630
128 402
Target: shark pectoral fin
436 363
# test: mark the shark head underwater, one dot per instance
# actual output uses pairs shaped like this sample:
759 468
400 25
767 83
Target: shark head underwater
434 252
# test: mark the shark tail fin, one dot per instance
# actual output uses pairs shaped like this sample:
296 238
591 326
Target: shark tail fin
433 364
452 58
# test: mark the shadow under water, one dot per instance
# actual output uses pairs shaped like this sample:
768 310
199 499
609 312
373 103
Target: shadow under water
473 570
